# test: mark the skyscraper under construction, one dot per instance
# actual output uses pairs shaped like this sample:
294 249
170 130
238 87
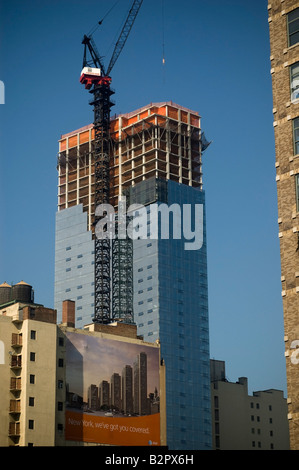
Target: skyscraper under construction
156 158
284 40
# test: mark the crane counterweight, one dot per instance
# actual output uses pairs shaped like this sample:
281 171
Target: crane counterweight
93 76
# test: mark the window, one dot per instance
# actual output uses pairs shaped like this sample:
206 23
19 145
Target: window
60 384
31 424
296 135
297 191
294 80
61 341
60 406
60 362
32 356
32 334
31 401
293 27
32 378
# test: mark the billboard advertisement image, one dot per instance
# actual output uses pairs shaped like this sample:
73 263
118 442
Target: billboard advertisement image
112 391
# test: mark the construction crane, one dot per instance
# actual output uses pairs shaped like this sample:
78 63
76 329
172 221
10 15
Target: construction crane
97 80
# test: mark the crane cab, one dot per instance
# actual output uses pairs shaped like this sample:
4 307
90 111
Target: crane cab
91 71
90 76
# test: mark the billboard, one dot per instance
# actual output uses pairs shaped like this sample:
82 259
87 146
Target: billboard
112 391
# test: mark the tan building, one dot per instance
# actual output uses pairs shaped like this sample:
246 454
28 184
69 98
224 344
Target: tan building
41 404
27 375
246 422
284 41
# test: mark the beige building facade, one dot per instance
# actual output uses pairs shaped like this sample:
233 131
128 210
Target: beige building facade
37 359
284 42
27 371
246 422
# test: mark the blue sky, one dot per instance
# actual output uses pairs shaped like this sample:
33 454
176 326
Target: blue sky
217 63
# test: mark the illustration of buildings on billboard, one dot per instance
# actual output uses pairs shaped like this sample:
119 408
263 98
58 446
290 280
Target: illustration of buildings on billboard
112 392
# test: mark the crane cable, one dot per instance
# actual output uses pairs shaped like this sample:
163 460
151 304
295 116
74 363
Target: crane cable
93 30
163 42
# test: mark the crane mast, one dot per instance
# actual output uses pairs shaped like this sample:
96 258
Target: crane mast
97 81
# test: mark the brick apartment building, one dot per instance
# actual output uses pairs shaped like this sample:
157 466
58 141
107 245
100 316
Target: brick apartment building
284 42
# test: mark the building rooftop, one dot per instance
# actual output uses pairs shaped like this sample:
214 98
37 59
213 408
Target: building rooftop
133 113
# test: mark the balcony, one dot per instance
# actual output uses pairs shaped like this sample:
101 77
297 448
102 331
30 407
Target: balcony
16 362
14 429
16 340
15 406
15 384
17 318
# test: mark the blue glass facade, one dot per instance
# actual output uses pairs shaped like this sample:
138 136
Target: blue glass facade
171 305
74 264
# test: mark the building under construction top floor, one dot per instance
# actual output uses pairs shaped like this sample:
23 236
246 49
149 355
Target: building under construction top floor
161 140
